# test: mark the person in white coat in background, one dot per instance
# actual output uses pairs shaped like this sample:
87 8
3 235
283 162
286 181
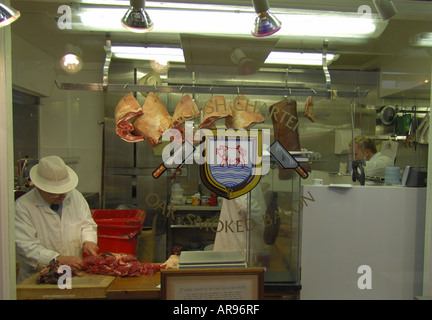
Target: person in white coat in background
376 162
53 221
241 226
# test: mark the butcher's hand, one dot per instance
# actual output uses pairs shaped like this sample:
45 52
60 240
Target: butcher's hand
90 248
71 261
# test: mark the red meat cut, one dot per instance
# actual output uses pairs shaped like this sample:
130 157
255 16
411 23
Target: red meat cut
118 264
49 274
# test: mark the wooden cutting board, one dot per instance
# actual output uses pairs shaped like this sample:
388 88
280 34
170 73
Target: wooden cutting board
88 286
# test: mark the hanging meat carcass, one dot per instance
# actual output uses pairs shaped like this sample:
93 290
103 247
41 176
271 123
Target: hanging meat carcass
216 108
154 121
244 114
185 110
285 127
126 111
308 109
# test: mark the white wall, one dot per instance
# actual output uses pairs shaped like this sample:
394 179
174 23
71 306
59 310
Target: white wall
68 119
381 227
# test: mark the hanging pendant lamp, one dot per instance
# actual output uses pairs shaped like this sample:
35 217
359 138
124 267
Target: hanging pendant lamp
265 23
7 15
136 18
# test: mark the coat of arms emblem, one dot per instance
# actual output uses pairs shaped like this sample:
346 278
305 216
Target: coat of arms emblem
233 163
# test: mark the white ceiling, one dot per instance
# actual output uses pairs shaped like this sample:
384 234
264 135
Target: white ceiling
38 25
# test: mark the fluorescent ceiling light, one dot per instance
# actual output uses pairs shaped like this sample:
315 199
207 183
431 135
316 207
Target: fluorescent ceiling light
423 39
168 21
299 58
316 23
168 5
163 55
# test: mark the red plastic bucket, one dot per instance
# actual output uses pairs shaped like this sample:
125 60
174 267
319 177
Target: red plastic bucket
118 230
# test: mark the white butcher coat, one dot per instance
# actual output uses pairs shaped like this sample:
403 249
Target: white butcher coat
376 165
40 234
233 219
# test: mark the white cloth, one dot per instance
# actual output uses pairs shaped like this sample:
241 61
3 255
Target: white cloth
40 234
235 222
375 166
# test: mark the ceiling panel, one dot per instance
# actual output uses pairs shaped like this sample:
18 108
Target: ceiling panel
223 55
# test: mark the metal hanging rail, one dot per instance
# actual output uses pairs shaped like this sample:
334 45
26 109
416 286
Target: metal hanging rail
205 89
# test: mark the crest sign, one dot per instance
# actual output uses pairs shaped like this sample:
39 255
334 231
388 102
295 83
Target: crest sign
233 162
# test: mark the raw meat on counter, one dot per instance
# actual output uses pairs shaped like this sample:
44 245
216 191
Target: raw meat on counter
245 114
172 262
215 109
154 121
109 264
126 111
118 264
308 110
50 275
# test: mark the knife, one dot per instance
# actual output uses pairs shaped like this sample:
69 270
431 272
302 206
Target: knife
285 159
188 149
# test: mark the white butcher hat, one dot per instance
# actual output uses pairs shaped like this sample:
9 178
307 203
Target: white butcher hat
52 175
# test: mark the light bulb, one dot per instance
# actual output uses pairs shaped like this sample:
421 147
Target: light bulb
71 63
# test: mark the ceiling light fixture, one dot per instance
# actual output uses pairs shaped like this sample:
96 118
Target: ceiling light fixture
423 39
161 55
136 18
385 8
7 15
266 23
300 58
296 23
164 55
71 62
